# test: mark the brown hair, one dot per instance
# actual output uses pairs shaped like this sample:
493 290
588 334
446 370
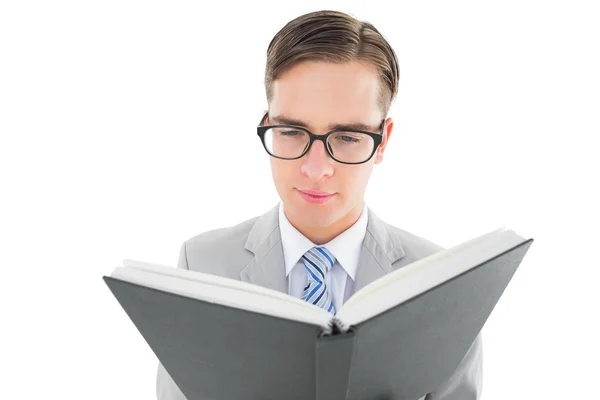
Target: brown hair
336 37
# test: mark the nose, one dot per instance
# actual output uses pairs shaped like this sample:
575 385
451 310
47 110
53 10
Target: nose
317 164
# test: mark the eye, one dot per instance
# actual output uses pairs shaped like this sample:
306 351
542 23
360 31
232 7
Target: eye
348 139
290 133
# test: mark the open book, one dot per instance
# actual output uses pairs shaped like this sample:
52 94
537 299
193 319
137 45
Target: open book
398 337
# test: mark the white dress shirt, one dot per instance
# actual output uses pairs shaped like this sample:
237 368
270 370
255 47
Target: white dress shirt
346 248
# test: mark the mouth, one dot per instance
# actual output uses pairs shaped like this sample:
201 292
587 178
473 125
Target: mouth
315 196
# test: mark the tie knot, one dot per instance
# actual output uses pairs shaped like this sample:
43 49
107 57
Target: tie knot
318 261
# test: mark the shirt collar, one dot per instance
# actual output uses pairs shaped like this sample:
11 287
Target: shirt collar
346 247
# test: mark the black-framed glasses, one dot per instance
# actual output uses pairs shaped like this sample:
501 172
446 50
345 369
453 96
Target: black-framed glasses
344 146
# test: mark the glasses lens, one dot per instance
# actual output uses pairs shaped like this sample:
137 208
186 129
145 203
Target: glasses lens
351 147
286 142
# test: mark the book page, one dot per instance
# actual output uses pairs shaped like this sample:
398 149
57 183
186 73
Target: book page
211 279
219 290
414 267
422 275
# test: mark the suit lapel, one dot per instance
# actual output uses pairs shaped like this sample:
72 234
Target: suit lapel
380 250
267 268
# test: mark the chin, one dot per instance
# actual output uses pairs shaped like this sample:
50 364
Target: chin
317 215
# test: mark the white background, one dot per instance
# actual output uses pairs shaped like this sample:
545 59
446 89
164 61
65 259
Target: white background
129 126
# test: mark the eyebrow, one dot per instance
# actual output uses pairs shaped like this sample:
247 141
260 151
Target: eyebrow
357 126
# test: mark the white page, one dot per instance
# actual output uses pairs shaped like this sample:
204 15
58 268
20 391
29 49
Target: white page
212 280
401 273
221 290
422 275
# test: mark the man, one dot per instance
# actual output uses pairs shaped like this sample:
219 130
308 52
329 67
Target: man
330 80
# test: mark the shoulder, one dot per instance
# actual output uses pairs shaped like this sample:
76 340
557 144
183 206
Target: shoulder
220 251
414 246
238 232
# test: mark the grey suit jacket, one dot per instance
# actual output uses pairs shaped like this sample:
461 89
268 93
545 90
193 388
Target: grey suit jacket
251 251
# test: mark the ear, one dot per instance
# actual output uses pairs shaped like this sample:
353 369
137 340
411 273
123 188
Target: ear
263 114
387 132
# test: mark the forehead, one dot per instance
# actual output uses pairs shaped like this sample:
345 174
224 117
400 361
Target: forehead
322 94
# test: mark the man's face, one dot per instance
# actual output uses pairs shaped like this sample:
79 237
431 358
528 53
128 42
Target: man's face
322 94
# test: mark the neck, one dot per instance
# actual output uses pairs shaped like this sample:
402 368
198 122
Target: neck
320 235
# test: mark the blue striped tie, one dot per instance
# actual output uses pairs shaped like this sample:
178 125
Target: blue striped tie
318 261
